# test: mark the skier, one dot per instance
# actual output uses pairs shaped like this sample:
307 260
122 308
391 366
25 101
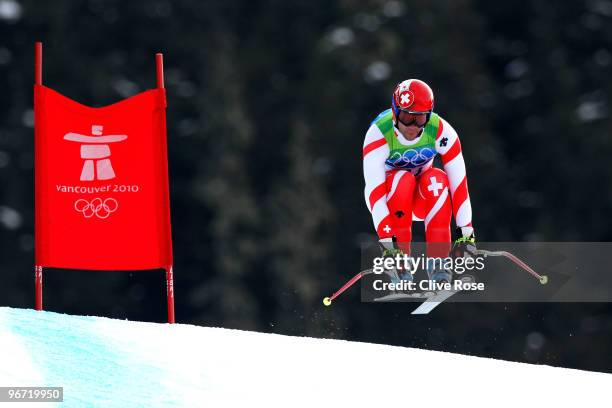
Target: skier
402 185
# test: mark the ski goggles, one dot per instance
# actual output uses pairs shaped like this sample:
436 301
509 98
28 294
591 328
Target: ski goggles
408 118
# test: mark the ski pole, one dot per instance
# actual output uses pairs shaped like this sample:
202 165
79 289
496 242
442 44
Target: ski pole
542 278
328 300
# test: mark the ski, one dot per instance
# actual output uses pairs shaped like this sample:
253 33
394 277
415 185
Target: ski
400 296
429 303
432 302
431 299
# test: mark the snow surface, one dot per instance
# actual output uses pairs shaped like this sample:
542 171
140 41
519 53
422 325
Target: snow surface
115 363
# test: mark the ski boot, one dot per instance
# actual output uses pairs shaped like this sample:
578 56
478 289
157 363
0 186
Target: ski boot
390 250
437 272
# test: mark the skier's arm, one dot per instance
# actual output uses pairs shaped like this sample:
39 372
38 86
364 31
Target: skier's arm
449 148
375 152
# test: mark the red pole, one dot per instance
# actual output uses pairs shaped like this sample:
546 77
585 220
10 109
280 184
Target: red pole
39 287
170 292
38 63
159 61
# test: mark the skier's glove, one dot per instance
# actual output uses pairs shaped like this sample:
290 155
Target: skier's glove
465 246
389 248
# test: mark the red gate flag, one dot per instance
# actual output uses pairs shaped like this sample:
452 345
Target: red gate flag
102 200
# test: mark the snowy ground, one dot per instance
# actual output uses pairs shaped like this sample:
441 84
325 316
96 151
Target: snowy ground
115 363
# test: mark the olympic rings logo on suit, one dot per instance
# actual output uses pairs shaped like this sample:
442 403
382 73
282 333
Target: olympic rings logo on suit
98 207
411 157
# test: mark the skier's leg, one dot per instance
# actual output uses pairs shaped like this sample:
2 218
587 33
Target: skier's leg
401 185
433 205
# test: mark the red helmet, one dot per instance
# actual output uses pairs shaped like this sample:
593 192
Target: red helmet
413 96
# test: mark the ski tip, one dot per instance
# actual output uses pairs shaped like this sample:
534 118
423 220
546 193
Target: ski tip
327 301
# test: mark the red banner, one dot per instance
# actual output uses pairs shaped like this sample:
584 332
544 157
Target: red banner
102 199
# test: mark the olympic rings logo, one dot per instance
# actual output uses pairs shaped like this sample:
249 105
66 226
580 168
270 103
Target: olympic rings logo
411 157
98 207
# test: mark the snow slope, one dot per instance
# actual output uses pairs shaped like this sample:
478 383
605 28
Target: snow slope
115 363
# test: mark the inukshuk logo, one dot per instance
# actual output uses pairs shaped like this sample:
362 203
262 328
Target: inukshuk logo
95 151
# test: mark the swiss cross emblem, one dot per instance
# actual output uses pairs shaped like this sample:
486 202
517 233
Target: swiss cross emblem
406 99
